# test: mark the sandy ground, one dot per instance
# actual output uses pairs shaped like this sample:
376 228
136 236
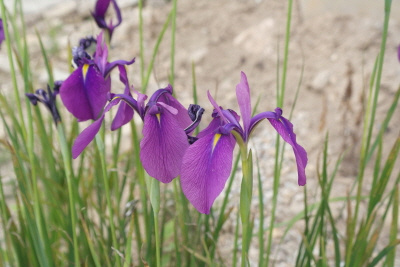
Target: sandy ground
335 46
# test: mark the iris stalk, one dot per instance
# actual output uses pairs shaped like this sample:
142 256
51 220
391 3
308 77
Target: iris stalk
101 148
65 151
245 194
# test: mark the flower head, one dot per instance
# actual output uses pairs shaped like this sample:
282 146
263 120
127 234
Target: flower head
164 123
84 92
99 15
208 162
48 99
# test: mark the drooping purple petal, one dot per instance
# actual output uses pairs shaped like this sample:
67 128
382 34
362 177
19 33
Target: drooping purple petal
84 92
244 101
163 146
87 135
206 167
285 129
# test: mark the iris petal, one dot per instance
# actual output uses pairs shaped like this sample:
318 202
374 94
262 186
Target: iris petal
285 129
87 135
243 98
85 94
163 146
206 167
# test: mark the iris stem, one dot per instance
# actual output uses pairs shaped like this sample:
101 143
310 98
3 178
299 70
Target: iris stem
245 194
65 151
157 235
101 148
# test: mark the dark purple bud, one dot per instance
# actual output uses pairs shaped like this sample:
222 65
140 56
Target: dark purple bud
195 113
48 99
99 15
32 98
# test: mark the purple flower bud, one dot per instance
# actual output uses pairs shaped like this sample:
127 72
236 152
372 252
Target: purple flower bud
48 99
99 15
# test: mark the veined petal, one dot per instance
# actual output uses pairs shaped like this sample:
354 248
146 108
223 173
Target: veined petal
84 92
123 116
285 129
165 95
87 135
244 101
182 117
206 167
163 146
211 128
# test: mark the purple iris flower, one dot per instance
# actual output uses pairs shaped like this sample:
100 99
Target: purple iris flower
207 163
166 125
84 92
2 35
99 15
48 99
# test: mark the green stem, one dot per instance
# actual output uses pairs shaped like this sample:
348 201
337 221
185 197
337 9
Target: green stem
157 235
101 148
65 151
245 195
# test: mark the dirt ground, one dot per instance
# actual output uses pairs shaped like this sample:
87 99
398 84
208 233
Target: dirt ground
331 52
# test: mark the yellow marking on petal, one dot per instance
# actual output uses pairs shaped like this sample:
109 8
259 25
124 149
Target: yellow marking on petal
216 139
158 117
85 69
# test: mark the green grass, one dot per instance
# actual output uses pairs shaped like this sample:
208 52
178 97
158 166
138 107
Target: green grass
59 212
